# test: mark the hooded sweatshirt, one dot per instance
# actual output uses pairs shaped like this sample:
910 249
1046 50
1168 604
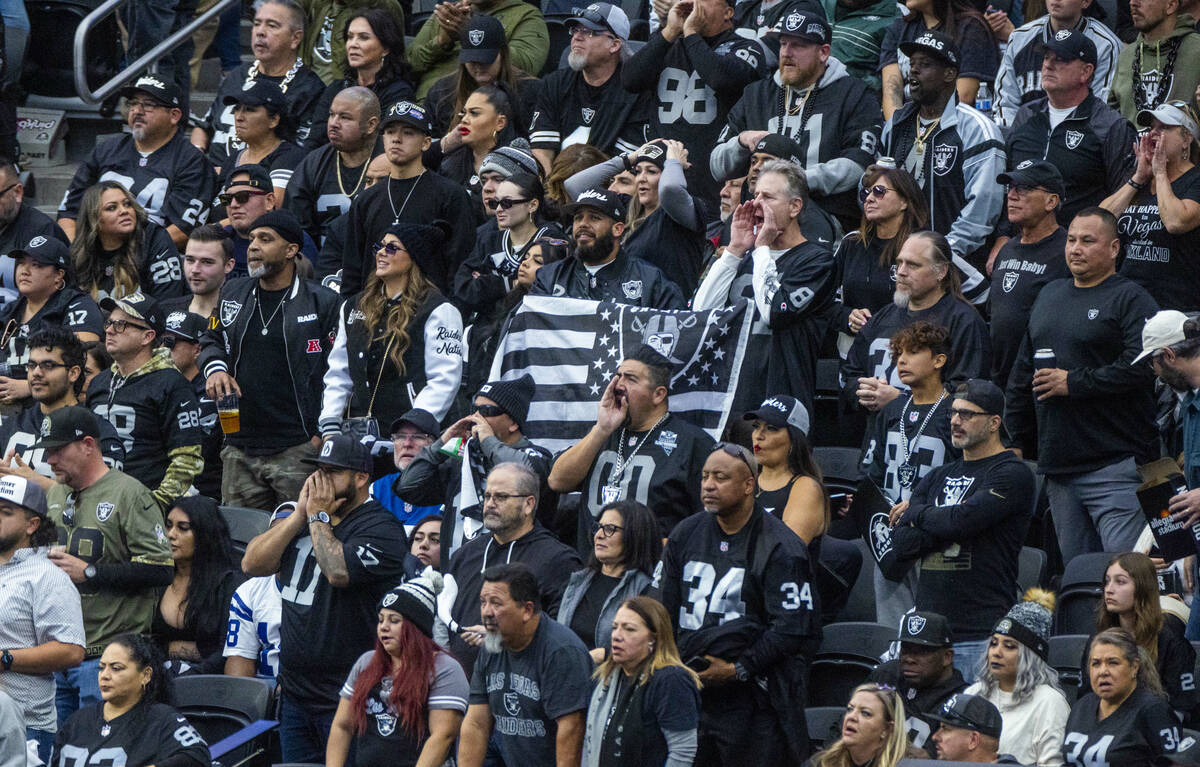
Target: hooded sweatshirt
324 47
1178 56
858 35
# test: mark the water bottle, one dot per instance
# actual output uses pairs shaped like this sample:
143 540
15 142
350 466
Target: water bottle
983 99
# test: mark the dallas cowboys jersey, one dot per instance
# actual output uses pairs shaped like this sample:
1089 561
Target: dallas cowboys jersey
321 189
301 92
254 615
896 429
174 183
19 431
149 733
1140 733
569 111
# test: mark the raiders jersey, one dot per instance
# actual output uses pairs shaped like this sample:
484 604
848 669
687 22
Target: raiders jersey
321 189
302 91
174 183
1141 733
897 429
19 431
151 733
569 111
68 308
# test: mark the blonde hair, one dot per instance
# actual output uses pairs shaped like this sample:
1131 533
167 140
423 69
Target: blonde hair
664 653
386 316
895 745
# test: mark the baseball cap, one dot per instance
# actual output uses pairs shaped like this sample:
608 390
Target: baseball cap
160 90
408 113
343 451
285 224
935 44
602 17
928 629
422 419
1072 45
607 202
970 712
983 393
781 410
186 325
259 93
46 251
1170 113
805 26
1164 329
23 493
1040 174
140 307
778 146
66 425
257 177
481 39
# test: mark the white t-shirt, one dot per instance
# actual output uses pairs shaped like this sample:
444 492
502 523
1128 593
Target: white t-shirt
1058 115
1033 730
254 615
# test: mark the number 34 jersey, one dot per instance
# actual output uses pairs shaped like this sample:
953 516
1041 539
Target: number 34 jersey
1142 732
150 734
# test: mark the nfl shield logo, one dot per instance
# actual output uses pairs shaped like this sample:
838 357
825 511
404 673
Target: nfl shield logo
229 312
1074 138
385 723
944 156
915 624
588 113
104 511
913 416
1010 281
1093 314
476 36
512 704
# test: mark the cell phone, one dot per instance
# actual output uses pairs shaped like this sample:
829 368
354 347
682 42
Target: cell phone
698 663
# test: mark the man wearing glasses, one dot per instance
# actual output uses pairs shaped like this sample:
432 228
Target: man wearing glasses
111 544
966 520
168 176
512 534
248 194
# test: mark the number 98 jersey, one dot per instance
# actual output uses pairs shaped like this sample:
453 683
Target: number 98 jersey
147 734
1140 733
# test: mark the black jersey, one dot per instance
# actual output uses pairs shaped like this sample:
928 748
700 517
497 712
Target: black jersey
68 308
672 247
1022 270
896 456
608 117
280 164
302 92
174 183
321 189
324 630
20 430
154 412
862 282
1140 733
151 733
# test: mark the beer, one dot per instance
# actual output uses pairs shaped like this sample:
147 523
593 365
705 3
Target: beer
231 422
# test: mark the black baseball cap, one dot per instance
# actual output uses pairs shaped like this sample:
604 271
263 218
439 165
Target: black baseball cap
257 177
422 419
259 93
806 26
409 114
66 425
781 410
970 712
343 451
778 146
162 91
140 307
1039 173
46 251
604 200
1071 45
936 45
482 39
186 325
982 393
928 629
285 224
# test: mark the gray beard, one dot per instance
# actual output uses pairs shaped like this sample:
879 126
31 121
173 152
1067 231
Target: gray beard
576 61
493 642
139 134
901 299
258 271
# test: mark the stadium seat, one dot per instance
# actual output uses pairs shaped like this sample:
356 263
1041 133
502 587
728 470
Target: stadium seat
219 706
824 724
1079 592
1031 569
245 523
848 654
1066 651
861 604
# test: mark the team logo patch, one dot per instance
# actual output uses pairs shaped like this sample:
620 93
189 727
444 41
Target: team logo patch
385 723
1074 138
944 156
104 511
1004 626
475 36
654 151
160 534
1093 314
327 449
955 489
1010 281
314 346
37 242
1024 164
1062 34
512 704
45 427
175 319
916 624
588 113
632 289
794 21
229 312
668 441
150 80
389 600
881 536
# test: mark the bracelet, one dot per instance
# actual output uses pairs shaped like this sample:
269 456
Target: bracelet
625 161
1135 185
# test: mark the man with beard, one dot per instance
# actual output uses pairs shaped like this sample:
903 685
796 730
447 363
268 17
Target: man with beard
248 194
584 102
1162 64
329 178
335 556
791 284
511 534
953 151
531 684
207 264
638 450
833 119
272 338
168 176
599 269
19 224
275 41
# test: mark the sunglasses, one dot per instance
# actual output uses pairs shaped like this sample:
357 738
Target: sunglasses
68 516
241 198
489 411
739 452
391 248
879 191
506 203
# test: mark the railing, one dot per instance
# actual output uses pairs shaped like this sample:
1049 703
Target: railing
138 67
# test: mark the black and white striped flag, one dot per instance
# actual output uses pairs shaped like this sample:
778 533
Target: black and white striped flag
572 347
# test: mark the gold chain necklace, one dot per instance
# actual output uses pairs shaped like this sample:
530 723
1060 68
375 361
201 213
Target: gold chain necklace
923 136
361 176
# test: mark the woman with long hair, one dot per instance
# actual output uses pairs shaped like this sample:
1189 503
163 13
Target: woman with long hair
626 548
193 612
958 20
1131 602
488 120
136 723
645 706
118 250
893 208
375 59
1015 676
873 731
790 484
1126 722
264 125
403 702
399 341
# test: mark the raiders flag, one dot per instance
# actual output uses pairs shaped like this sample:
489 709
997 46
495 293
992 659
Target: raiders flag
870 514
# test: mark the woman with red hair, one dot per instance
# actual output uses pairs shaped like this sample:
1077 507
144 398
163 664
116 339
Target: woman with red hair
404 701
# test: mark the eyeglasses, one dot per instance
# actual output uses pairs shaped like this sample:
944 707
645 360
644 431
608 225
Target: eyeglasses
489 411
739 452
9 188
1023 189
503 497
879 190
608 531
587 32
241 198
144 105
411 436
121 325
967 415
506 203
391 248
48 366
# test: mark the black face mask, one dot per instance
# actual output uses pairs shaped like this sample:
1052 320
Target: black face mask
598 250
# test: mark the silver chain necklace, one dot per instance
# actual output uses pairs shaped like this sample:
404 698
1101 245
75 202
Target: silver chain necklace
408 197
612 488
266 322
906 472
287 78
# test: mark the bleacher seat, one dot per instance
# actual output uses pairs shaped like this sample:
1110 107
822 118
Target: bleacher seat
824 724
1066 651
861 604
245 523
219 706
422 10
849 652
1031 569
1079 592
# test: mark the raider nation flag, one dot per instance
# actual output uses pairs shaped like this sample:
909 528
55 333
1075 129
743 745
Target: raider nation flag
572 347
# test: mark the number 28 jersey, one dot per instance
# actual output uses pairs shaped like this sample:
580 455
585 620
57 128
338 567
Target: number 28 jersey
1142 732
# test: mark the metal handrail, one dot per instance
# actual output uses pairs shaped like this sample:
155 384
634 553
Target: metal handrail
136 68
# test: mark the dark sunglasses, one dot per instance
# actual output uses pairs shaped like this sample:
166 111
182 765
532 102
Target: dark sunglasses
506 203
391 248
879 190
739 452
489 411
241 198
68 516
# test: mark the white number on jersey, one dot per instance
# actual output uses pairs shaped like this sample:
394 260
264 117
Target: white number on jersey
151 197
1096 756
725 598
123 418
166 271
297 589
74 756
794 596
683 96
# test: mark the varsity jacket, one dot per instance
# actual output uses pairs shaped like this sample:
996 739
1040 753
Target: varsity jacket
624 280
836 127
966 155
310 314
1019 80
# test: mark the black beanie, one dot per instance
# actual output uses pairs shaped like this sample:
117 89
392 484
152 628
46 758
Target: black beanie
285 224
424 245
416 599
512 396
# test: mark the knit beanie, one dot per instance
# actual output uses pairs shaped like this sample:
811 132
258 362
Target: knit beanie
1028 621
507 160
512 396
424 245
416 599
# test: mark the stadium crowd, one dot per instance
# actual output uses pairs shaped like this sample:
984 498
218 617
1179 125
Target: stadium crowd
959 240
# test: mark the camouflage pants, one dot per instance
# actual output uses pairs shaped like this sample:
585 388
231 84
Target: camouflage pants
264 482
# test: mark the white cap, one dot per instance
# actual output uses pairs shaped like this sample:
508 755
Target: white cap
1162 330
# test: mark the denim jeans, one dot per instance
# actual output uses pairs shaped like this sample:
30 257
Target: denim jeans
303 734
967 656
150 22
75 688
45 741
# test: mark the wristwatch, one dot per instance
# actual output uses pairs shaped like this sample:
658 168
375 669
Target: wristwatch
739 671
6 660
320 516
89 572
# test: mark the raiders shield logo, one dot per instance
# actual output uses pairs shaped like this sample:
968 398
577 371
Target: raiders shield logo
588 113
915 624
793 22
1010 281
1093 314
46 427
1074 138
881 536
1024 164
632 289
1062 34
389 600
229 312
954 489
37 242
512 704
1004 626
944 156
104 511
475 36
385 723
